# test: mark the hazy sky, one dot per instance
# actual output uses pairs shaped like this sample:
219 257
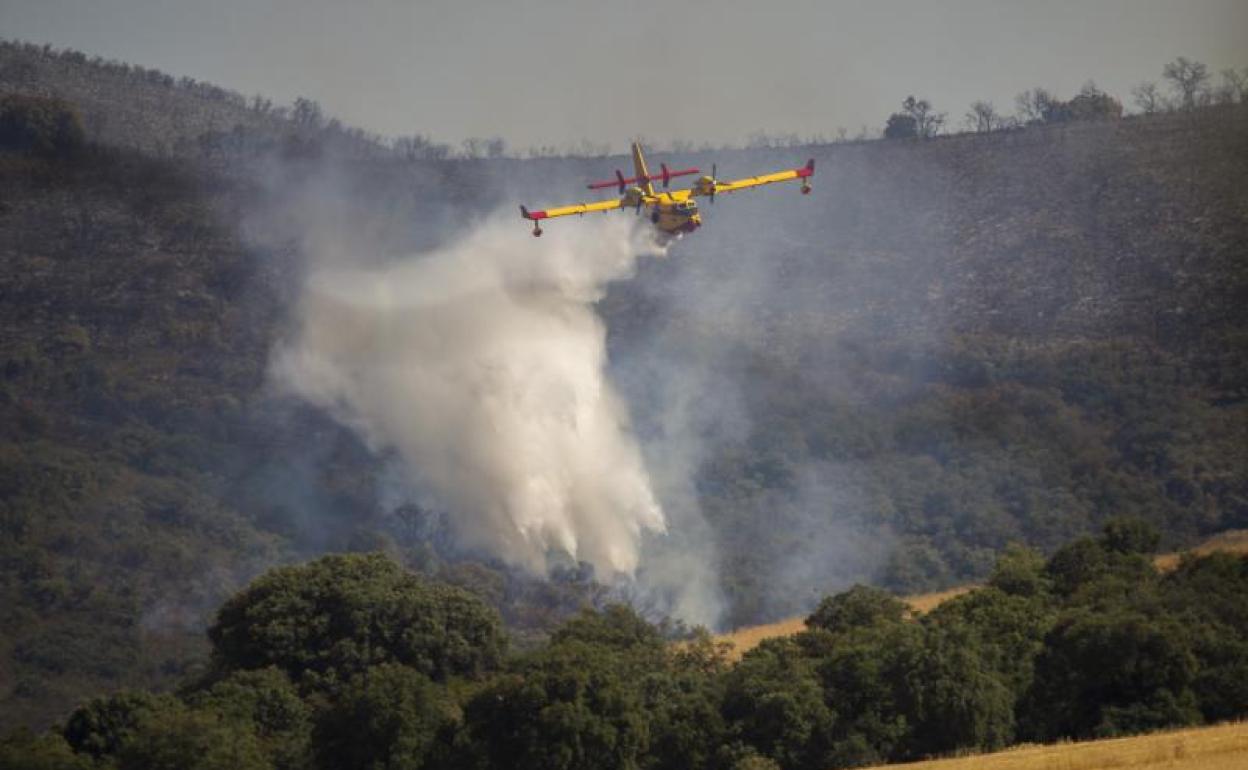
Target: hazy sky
557 71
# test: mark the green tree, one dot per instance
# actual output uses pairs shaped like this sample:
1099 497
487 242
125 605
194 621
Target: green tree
773 702
340 614
268 703
1109 673
1019 571
1130 535
862 675
927 122
685 725
858 607
617 626
1091 103
900 126
103 726
388 716
1208 596
1076 564
40 125
681 700
24 750
951 697
188 739
567 708
1008 630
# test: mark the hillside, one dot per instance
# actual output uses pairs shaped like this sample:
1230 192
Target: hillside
970 341
950 346
148 471
745 639
156 113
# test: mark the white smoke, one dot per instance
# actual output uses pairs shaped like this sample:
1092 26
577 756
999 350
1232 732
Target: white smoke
482 366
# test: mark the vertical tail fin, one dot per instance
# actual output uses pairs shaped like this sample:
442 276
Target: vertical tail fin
640 171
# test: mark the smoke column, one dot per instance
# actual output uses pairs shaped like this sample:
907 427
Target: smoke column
481 365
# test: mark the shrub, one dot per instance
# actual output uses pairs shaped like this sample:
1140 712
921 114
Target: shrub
40 126
858 607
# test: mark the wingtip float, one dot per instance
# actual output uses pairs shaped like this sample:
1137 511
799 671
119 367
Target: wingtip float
671 212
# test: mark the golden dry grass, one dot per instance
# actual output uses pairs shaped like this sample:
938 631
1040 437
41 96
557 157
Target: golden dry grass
923 603
1221 747
745 639
1231 541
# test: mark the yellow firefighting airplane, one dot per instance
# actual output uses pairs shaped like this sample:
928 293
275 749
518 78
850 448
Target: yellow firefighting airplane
672 213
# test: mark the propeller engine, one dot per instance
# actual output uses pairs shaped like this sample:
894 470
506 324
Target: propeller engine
635 197
713 181
667 174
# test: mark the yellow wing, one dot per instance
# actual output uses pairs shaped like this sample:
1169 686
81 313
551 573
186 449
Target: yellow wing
576 208
704 187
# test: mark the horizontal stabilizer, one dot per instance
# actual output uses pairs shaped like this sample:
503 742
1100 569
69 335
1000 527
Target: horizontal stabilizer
620 181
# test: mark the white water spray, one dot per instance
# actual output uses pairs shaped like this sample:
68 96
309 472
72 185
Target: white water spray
482 365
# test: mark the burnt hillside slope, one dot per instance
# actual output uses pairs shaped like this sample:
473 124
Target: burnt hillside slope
955 344
949 346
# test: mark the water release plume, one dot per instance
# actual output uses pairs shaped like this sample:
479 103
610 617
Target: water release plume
481 366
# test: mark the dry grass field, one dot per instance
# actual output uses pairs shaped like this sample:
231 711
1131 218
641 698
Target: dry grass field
1233 541
1221 747
746 639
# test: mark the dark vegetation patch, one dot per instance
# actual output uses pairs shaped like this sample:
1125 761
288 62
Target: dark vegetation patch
352 661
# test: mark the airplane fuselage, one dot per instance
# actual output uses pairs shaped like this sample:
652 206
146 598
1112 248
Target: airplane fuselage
672 213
